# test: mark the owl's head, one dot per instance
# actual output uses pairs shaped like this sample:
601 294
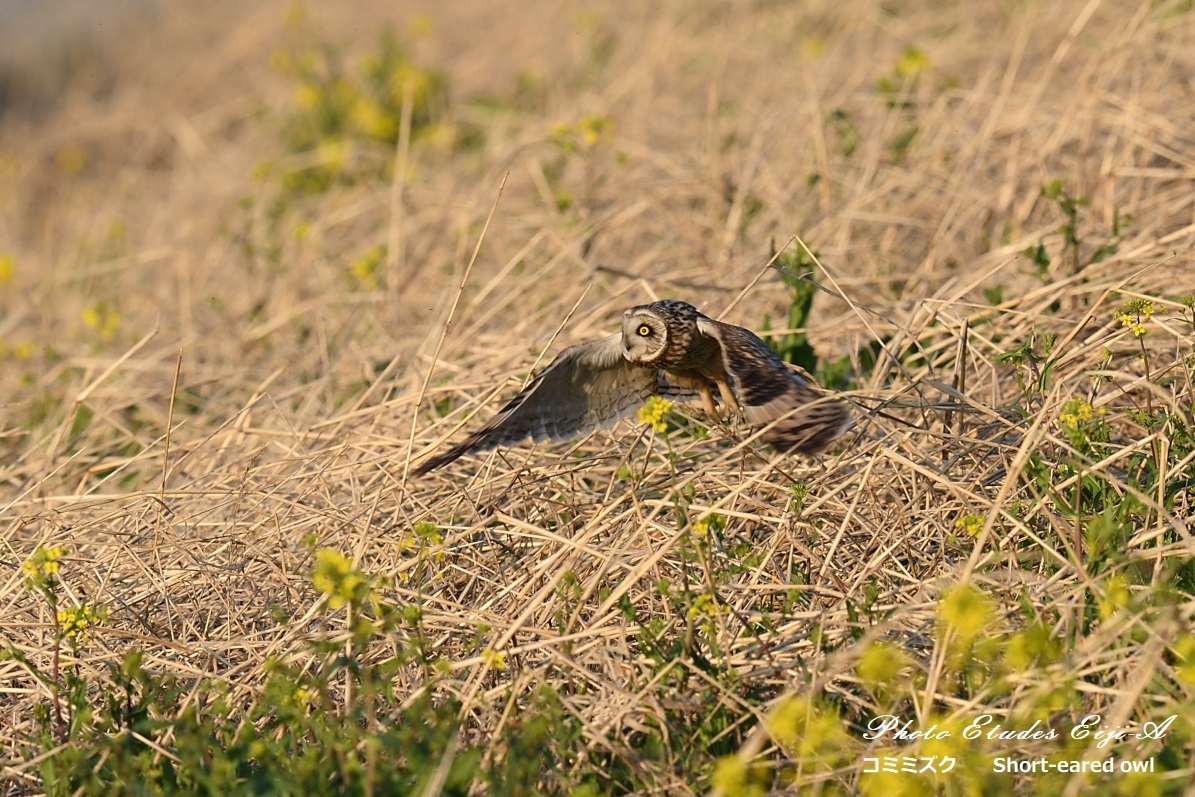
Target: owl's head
659 333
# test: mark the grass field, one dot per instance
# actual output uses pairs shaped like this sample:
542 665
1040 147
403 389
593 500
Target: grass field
254 265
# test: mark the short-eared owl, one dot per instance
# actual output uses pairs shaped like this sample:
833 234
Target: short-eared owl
667 349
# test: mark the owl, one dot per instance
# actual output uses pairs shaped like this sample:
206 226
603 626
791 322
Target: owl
665 349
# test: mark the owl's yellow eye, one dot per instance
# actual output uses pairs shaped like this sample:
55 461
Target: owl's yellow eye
644 330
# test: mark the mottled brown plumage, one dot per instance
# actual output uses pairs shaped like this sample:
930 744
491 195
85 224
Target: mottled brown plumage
667 349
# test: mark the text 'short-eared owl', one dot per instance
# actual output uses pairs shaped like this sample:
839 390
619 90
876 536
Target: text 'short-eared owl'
666 349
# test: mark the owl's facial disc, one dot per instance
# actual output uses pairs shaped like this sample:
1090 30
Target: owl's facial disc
644 336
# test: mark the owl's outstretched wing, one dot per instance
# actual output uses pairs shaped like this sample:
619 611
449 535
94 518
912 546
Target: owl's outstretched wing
798 418
588 386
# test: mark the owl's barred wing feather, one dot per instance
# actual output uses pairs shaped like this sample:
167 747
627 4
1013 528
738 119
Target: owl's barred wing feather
588 386
798 417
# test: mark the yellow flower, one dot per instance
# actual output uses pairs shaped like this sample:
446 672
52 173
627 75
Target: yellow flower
411 81
734 777
966 611
494 659
427 532
595 128
335 576
880 664
102 318
295 15
1030 647
366 268
421 25
704 605
40 568
333 154
911 62
970 524
8 267
74 621
653 411
892 784
810 733
372 120
1184 655
1116 596
23 350
1134 313
1077 412
561 135
708 523
307 96
812 47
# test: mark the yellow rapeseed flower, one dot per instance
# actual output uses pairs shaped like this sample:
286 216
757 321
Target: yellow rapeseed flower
593 129
411 81
735 777
891 783
41 566
653 411
295 15
103 319
704 605
708 523
74 621
807 732
912 62
1134 313
970 524
1077 412
307 96
333 154
23 350
1116 596
1184 655
881 664
966 611
373 120
421 25
1030 647
561 135
813 47
335 576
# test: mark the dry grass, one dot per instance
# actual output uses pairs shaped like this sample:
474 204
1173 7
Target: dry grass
304 393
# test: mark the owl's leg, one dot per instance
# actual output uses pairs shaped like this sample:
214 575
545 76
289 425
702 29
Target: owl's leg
707 399
728 398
